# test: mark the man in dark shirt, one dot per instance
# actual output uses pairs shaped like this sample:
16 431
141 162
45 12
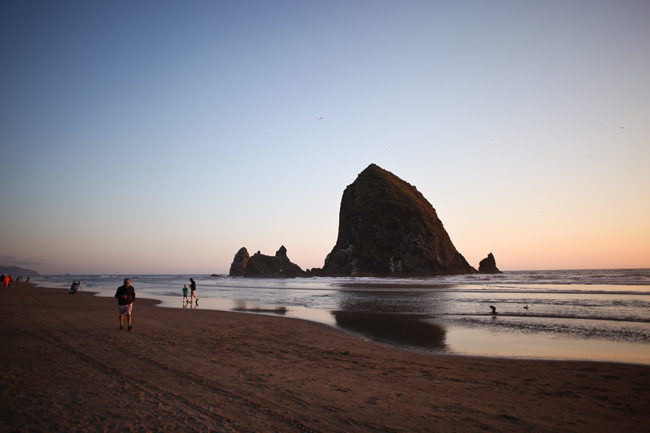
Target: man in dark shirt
125 298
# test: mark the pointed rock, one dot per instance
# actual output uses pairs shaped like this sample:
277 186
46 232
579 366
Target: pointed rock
387 227
238 266
488 265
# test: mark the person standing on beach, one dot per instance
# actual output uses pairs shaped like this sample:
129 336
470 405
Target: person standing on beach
185 293
5 282
193 288
125 298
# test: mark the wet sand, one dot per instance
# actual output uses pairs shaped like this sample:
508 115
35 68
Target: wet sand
66 366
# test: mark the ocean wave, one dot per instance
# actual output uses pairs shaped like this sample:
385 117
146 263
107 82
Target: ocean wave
574 327
547 316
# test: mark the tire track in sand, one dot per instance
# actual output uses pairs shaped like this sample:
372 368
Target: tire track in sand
135 384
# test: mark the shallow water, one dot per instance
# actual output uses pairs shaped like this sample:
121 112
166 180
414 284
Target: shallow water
599 315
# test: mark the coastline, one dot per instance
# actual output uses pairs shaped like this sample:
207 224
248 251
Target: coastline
603 316
65 365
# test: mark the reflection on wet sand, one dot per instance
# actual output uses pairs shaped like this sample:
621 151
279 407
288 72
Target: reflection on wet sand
393 301
397 329
242 307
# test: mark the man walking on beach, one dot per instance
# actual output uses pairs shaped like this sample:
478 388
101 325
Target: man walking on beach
125 298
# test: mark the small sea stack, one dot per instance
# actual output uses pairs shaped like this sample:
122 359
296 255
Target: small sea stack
488 265
262 266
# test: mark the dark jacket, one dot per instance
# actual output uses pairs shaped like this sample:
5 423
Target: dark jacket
129 292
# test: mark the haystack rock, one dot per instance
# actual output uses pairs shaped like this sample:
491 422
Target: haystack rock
260 265
238 266
488 265
387 227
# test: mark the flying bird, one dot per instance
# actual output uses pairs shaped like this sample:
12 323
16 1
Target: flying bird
320 118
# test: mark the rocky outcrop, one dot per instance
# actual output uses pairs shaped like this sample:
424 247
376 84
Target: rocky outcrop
238 266
260 265
387 227
488 265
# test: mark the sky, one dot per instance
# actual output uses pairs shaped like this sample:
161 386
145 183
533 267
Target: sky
142 137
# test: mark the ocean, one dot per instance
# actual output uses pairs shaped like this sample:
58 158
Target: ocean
598 315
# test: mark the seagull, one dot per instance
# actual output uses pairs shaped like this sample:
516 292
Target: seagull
526 307
494 309
320 118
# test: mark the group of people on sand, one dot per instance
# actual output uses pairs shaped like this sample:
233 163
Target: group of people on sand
7 280
193 294
125 295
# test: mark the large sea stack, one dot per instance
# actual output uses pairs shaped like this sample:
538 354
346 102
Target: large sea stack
387 227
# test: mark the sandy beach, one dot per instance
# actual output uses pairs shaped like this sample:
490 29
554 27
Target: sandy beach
66 366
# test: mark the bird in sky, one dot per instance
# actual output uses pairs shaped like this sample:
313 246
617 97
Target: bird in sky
320 118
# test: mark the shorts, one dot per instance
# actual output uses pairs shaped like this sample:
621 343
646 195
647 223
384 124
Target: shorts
125 309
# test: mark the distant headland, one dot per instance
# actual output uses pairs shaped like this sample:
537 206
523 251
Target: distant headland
15 271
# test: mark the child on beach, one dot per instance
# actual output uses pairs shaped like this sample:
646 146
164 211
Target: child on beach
185 293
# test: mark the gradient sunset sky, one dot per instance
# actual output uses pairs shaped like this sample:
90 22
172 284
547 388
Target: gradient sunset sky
141 137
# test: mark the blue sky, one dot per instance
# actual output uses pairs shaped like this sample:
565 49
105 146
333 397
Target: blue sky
161 137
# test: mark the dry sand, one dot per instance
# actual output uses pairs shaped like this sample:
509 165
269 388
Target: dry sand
66 367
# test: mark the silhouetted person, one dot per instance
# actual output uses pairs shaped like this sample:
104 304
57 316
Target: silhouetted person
74 287
193 289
